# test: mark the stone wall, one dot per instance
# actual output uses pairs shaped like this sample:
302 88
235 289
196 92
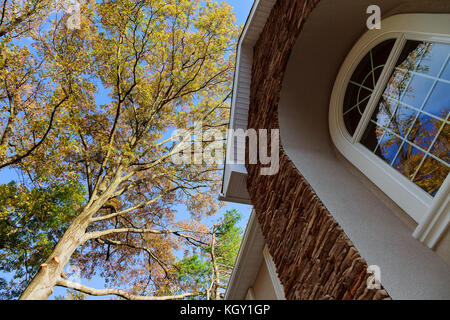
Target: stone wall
314 257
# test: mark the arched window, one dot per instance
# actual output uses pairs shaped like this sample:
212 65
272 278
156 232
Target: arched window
389 113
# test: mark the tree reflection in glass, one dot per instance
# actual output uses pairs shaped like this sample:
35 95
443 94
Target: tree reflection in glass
409 128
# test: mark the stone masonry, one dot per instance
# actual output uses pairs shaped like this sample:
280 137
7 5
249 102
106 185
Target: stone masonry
314 257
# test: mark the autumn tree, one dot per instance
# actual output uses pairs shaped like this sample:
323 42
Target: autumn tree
30 98
161 65
18 17
72 295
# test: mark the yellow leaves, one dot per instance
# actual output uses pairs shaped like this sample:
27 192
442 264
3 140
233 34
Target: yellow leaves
164 64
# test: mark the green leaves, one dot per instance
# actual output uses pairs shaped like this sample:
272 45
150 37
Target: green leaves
193 271
31 222
212 267
229 238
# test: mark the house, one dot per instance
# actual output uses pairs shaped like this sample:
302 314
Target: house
359 205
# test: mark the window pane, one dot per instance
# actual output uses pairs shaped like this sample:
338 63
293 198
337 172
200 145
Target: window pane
441 147
401 120
409 128
446 73
356 99
424 131
417 90
439 102
431 175
373 135
408 160
433 60
388 146
363 82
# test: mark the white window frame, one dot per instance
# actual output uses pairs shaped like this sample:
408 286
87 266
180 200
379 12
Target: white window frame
431 213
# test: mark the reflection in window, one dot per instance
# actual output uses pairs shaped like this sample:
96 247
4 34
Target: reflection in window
409 128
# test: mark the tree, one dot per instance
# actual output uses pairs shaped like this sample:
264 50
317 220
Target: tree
19 17
208 273
164 65
29 97
72 295
31 222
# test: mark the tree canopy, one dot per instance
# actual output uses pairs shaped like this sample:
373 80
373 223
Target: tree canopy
87 115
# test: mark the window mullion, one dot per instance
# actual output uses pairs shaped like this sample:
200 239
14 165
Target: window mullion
378 90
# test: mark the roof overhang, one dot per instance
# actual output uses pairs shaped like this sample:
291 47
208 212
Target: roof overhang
234 184
248 261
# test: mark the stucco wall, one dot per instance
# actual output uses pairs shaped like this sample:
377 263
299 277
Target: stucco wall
380 231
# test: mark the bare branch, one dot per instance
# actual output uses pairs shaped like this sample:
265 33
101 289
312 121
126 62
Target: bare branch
99 234
119 292
119 213
149 252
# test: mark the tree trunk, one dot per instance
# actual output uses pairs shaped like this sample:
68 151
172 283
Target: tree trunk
41 287
216 268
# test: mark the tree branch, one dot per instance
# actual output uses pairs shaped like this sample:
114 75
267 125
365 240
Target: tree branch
119 213
119 292
161 263
18 157
98 234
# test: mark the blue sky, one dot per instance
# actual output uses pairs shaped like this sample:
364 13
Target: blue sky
241 10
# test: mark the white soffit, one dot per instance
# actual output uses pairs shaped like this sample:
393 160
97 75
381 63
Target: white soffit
234 176
243 73
248 261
